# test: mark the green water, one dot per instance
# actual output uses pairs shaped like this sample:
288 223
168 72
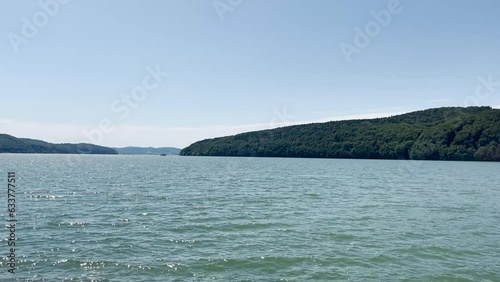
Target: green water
122 218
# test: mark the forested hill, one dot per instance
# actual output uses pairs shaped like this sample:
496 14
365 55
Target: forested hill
11 144
436 134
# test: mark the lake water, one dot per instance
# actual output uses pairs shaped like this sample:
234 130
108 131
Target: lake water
135 218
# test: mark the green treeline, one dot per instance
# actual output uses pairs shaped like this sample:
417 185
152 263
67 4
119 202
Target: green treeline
11 144
464 134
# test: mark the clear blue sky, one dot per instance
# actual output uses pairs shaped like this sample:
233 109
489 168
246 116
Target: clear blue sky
239 72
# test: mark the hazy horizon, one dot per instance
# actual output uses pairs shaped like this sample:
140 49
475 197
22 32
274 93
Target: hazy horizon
212 132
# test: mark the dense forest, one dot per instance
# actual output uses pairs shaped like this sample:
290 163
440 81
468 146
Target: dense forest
11 144
464 134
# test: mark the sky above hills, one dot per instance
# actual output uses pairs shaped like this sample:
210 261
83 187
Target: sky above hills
169 73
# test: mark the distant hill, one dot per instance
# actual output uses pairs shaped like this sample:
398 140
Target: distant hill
436 134
11 144
148 151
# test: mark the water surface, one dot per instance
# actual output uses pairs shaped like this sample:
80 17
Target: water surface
133 218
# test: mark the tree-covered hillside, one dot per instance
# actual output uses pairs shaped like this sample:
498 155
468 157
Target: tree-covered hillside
436 134
11 144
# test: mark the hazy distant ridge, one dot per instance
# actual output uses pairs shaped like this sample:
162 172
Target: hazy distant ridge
148 151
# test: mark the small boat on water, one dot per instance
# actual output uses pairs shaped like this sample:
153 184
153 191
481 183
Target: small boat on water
163 155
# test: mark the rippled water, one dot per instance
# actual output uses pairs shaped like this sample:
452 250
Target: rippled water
121 218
